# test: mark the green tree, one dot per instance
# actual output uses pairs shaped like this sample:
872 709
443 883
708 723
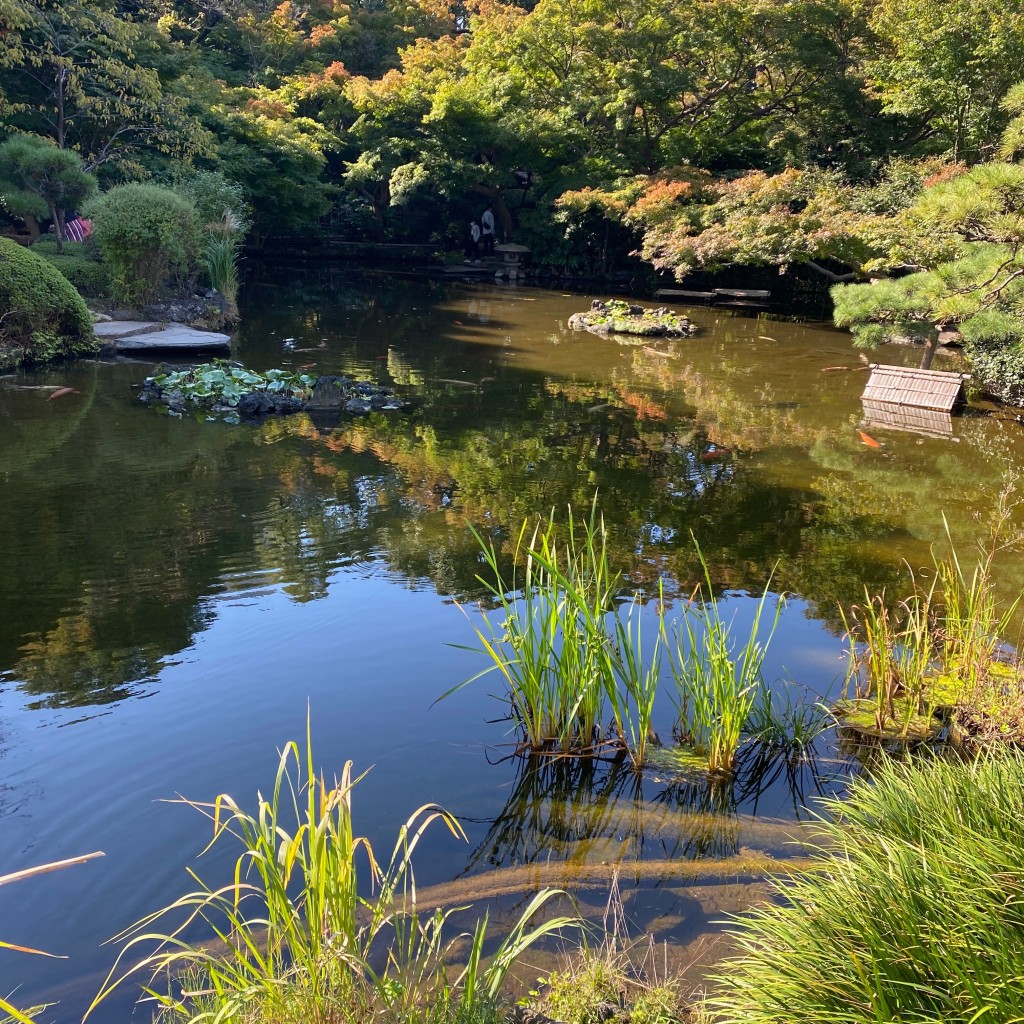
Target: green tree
82 74
946 66
39 179
971 276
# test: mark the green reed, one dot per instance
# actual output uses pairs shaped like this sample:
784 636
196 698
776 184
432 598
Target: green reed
311 926
914 915
548 643
632 680
971 625
717 677
567 652
220 261
786 724
891 653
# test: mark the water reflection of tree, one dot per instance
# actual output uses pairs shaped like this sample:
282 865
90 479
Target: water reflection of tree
137 522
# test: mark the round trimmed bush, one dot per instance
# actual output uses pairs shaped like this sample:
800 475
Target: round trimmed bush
42 317
149 238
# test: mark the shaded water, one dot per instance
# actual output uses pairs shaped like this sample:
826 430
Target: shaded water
175 593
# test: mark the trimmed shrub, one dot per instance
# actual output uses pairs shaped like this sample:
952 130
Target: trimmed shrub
149 237
80 264
42 317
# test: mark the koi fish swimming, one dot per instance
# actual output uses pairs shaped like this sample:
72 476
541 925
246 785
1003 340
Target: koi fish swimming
61 392
868 440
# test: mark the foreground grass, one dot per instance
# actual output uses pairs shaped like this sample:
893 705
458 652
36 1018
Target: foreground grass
312 927
917 916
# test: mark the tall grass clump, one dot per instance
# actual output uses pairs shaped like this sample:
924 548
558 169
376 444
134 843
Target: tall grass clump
546 638
571 649
939 658
717 676
915 914
971 625
311 926
221 257
891 653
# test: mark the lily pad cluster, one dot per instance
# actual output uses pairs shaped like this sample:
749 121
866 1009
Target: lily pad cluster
236 393
618 317
227 388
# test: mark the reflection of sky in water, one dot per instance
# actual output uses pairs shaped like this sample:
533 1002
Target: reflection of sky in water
178 593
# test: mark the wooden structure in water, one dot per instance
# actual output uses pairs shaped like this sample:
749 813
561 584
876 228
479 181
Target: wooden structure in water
919 401
922 389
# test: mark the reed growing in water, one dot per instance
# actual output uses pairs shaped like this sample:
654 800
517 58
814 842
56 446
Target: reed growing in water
311 926
916 913
570 653
940 651
717 678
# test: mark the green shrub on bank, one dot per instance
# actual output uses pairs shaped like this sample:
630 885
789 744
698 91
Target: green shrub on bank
917 916
999 372
42 317
149 237
80 264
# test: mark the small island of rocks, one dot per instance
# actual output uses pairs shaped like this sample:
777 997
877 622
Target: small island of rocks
618 317
232 392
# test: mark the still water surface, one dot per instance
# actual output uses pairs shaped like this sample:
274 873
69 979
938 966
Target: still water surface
175 594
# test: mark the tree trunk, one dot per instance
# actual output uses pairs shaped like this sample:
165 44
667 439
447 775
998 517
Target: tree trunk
57 216
929 352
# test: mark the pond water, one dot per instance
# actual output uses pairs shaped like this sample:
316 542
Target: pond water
178 595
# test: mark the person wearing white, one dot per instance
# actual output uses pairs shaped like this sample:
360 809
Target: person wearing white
473 244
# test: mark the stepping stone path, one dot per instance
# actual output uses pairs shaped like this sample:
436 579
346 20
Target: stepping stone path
139 335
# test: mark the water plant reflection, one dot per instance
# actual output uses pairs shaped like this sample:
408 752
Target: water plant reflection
580 812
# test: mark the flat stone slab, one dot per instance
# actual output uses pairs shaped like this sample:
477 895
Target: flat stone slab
168 336
111 330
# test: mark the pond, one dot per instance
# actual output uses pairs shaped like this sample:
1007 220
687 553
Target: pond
179 595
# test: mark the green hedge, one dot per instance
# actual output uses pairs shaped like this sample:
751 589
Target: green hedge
80 264
43 317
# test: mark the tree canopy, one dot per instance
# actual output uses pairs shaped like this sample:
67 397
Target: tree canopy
694 136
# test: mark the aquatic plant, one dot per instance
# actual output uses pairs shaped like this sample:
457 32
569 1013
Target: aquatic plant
618 317
549 645
938 657
717 677
891 654
224 383
786 724
567 651
220 261
913 915
632 679
299 934
970 625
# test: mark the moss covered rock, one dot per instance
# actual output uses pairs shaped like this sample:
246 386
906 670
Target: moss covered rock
618 317
42 317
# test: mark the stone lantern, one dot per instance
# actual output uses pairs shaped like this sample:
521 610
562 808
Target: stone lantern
512 259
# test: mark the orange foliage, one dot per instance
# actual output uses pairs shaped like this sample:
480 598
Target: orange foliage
267 107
